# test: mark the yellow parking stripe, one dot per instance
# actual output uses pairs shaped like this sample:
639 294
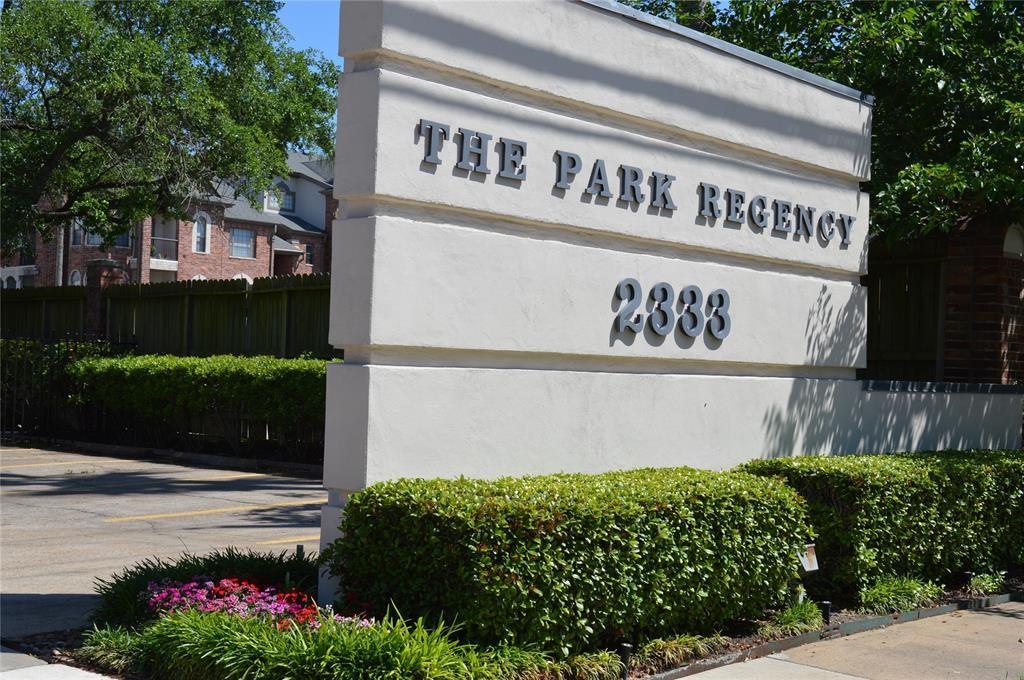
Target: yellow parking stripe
215 511
294 539
70 462
223 477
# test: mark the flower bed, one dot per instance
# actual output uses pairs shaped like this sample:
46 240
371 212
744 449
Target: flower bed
627 546
240 597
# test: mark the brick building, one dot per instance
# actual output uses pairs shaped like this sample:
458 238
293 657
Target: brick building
948 307
224 237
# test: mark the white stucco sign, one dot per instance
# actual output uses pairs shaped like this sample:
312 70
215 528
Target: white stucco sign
554 256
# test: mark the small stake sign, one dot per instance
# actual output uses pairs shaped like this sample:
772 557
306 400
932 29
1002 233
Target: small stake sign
808 560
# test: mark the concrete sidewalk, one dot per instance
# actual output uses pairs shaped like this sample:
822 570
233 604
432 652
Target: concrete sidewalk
17 666
981 645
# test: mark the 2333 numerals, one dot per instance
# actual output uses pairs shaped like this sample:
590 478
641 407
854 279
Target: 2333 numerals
694 316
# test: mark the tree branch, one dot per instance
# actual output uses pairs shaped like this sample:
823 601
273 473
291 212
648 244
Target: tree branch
10 124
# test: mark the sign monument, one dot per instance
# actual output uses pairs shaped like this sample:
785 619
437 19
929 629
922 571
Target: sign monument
577 238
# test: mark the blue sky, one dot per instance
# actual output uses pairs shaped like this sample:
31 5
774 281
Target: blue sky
313 23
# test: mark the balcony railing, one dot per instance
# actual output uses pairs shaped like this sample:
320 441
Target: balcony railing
164 248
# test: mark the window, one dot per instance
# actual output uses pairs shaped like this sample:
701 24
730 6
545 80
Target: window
1013 244
77 232
288 201
198 277
11 282
243 242
281 198
123 240
93 239
243 276
309 254
201 233
75 278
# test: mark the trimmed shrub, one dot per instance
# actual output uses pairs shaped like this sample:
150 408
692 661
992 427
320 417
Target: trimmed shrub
121 596
264 388
925 516
254 405
572 562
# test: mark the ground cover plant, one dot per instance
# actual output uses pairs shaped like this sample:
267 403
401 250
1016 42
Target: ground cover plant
572 563
222 645
796 619
986 584
927 516
898 593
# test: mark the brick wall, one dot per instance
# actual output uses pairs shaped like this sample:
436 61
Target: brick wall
218 263
78 257
983 308
46 261
287 263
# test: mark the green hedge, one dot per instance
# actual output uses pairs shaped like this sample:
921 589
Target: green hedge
926 516
158 387
572 562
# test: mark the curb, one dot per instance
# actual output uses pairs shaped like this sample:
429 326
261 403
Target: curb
304 470
835 631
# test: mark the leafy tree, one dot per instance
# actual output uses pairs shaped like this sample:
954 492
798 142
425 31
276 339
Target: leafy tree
112 111
699 15
948 77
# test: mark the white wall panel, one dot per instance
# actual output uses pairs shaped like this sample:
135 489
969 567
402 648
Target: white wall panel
445 422
592 58
388 161
461 288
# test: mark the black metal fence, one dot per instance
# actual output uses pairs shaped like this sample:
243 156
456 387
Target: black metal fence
40 396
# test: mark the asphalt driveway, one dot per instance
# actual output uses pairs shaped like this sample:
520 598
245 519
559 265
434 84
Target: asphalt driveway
67 518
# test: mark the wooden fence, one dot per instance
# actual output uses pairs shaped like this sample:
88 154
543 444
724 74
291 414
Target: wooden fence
282 316
42 313
905 292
